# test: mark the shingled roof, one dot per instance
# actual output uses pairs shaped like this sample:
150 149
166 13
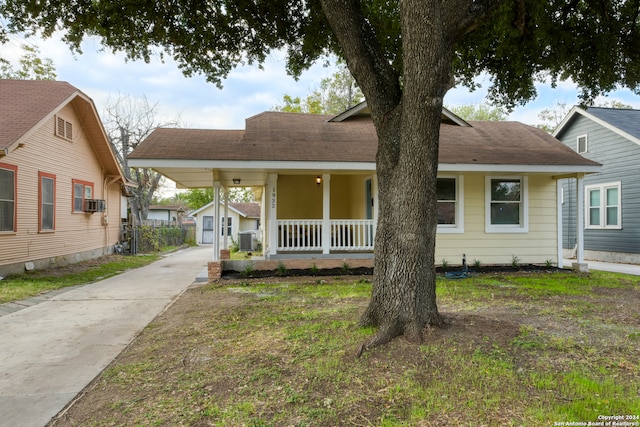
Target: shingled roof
26 104
277 136
268 136
623 121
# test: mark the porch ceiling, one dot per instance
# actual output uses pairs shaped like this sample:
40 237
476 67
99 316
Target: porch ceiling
203 177
187 177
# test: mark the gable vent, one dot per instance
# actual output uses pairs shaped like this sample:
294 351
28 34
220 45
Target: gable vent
64 129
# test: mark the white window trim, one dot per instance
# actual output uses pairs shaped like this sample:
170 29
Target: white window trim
603 197
586 143
458 227
226 226
524 212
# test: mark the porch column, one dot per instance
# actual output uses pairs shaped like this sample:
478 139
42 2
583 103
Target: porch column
216 221
580 219
559 222
272 215
225 229
326 213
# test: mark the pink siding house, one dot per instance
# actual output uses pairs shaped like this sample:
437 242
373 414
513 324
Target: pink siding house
60 183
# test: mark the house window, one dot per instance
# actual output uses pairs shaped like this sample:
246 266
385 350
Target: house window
449 195
64 129
8 185
47 198
582 144
228 226
506 204
603 206
81 190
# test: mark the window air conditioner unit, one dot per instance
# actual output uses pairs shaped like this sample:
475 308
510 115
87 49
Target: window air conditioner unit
94 205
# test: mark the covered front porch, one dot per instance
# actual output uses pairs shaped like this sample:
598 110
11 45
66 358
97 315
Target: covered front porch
319 214
304 214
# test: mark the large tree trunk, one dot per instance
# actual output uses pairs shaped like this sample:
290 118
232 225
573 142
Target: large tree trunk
403 300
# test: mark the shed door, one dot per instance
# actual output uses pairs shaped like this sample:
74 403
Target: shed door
207 229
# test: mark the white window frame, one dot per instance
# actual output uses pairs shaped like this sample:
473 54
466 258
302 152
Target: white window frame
458 227
87 193
586 146
523 226
603 206
229 225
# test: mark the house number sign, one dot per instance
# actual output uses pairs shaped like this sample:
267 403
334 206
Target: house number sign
273 197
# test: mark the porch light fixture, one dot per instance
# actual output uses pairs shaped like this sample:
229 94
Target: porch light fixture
236 181
318 180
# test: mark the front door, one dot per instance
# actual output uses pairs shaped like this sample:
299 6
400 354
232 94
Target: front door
207 230
368 200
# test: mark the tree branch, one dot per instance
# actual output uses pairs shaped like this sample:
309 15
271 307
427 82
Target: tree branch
364 55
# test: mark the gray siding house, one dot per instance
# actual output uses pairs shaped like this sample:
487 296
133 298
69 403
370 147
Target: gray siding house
611 202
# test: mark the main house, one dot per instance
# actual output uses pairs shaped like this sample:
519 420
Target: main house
316 178
60 183
611 202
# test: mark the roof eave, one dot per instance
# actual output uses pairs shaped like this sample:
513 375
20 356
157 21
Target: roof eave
518 168
577 110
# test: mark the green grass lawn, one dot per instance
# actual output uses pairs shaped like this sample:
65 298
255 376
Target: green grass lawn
17 287
523 350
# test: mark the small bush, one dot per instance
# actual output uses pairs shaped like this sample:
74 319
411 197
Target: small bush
248 270
234 247
314 269
346 268
282 269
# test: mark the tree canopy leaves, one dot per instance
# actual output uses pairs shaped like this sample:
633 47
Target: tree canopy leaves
483 111
519 43
31 66
335 95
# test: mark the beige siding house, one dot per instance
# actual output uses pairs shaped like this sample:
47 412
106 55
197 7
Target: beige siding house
60 183
316 177
241 217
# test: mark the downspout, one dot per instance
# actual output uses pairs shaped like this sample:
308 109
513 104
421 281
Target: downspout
104 220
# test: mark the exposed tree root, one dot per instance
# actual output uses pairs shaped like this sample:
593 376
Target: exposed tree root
412 333
383 336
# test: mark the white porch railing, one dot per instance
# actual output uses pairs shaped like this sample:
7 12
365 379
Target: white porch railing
300 235
352 234
306 235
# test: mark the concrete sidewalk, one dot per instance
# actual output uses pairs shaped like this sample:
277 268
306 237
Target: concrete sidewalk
608 266
51 350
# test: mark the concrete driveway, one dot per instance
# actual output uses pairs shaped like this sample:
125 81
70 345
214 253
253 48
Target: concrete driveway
51 350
